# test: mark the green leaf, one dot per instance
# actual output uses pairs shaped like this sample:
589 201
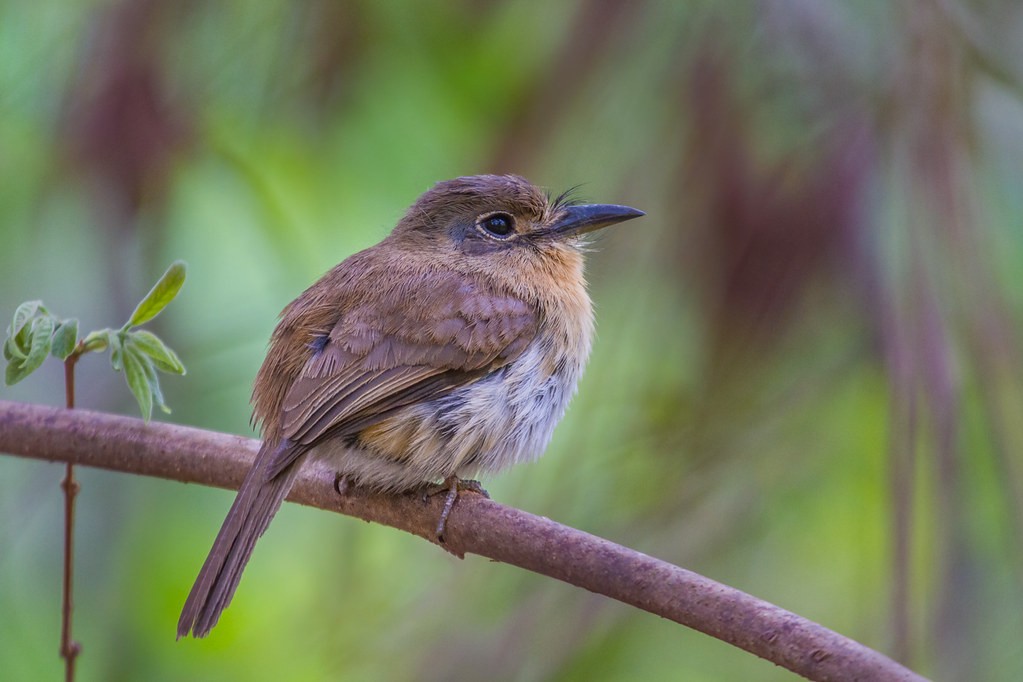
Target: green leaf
12 352
163 357
136 376
21 342
116 341
25 312
21 338
162 293
40 337
154 381
97 340
64 339
13 374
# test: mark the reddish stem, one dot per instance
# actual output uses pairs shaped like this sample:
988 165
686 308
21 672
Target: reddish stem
69 649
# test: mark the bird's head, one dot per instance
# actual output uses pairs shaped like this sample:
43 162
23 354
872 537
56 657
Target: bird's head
501 219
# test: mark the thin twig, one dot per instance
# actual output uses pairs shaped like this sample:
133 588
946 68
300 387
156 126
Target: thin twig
476 525
69 648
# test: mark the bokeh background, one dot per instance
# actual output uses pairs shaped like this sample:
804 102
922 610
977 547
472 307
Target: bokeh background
807 378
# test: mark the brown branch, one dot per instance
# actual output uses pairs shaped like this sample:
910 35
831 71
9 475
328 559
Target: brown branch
476 525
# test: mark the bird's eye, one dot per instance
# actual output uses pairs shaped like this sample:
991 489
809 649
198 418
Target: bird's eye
499 225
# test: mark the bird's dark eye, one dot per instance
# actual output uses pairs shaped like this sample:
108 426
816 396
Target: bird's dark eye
499 225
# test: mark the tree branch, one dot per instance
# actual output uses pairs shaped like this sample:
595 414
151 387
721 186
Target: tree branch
476 525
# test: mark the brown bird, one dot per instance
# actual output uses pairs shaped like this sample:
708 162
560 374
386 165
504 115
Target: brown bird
449 349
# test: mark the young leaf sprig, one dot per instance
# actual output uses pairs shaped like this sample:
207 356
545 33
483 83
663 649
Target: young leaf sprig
35 332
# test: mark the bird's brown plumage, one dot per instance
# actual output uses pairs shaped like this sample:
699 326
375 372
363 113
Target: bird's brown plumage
443 350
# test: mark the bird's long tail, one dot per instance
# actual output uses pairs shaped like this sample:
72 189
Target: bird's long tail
258 500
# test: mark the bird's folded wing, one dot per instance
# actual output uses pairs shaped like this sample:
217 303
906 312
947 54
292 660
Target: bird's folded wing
376 360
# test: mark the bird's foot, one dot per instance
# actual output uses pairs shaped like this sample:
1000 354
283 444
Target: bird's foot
451 485
342 485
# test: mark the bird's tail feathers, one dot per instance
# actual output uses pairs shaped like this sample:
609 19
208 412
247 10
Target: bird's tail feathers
257 501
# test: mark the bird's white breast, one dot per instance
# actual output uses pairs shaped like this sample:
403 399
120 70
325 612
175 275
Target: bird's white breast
502 419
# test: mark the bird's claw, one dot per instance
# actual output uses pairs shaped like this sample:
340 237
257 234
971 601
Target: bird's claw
451 485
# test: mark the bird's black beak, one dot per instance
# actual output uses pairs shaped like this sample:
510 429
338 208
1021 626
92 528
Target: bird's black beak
577 220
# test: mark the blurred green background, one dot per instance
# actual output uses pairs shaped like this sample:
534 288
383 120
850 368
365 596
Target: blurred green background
806 381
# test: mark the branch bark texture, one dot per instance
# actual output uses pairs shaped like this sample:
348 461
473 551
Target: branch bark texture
476 525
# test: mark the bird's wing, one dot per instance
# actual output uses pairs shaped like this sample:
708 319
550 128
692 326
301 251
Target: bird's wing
378 358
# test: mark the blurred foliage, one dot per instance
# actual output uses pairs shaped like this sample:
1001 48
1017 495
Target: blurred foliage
807 378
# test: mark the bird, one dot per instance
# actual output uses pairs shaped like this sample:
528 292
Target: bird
448 350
